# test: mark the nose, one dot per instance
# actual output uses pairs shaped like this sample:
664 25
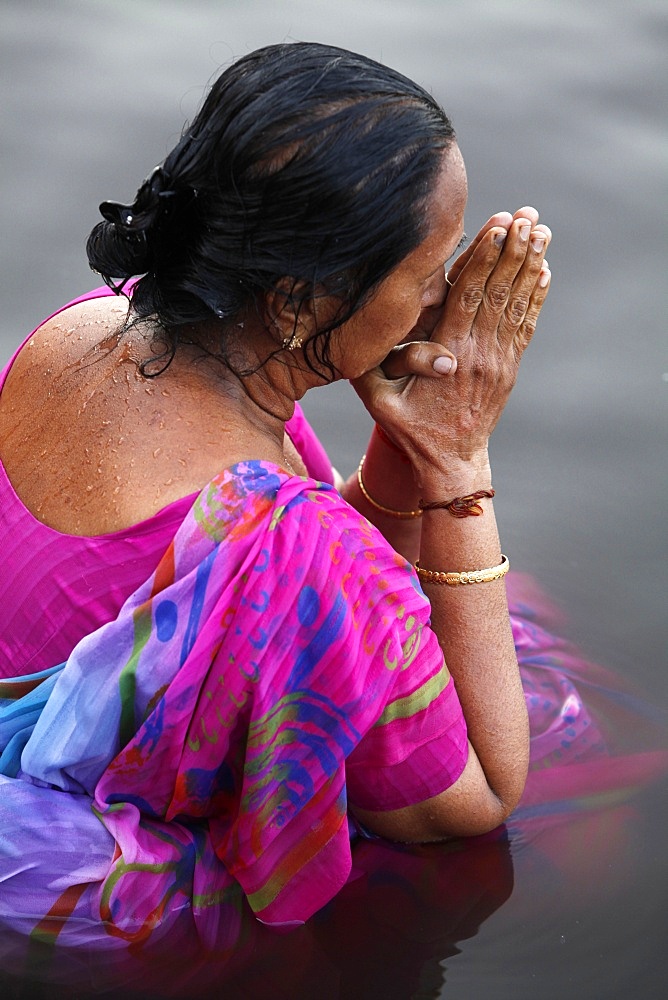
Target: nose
432 300
436 290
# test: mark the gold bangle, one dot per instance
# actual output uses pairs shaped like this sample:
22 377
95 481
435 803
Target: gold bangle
402 514
472 576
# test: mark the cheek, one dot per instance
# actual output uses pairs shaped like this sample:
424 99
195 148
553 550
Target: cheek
402 313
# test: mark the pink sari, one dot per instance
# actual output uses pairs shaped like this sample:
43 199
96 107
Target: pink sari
204 745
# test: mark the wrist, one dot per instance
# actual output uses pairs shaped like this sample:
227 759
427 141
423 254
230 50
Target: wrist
393 512
453 478
388 473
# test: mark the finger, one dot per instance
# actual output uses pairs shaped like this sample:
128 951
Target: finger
465 296
419 358
500 220
528 325
524 283
517 258
527 212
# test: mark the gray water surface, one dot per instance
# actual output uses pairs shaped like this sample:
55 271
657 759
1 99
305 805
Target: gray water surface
557 104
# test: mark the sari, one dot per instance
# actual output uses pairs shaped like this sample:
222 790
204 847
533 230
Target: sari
188 770
196 755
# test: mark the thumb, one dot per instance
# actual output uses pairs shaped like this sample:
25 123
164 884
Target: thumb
421 357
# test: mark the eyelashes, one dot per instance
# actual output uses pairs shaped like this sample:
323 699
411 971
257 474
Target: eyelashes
460 246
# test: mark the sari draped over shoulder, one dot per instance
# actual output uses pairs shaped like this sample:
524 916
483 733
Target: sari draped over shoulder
200 750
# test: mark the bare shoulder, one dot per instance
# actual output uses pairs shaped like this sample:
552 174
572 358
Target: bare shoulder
67 389
91 444
64 340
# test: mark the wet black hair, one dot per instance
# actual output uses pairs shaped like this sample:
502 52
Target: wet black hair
305 162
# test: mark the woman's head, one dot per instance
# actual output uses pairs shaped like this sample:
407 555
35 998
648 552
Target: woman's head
306 171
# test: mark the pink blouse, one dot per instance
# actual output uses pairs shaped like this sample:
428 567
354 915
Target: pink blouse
56 588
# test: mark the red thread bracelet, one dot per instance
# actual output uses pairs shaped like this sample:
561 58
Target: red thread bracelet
467 506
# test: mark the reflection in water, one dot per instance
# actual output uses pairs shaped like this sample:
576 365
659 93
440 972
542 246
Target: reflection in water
384 936
395 927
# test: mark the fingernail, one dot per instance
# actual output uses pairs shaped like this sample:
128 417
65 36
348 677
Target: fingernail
543 278
524 233
442 365
500 238
537 243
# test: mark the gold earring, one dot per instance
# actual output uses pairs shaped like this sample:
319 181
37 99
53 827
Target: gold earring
292 342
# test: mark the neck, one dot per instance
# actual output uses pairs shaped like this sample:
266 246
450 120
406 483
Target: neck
259 379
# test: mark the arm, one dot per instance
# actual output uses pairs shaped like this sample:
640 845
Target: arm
443 426
388 478
388 475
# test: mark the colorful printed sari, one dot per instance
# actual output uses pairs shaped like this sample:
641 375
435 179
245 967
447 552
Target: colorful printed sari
191 764
196 755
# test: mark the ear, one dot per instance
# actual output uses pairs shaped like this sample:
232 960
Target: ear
293 308
290 310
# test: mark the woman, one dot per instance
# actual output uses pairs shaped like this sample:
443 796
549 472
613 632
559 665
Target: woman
267 660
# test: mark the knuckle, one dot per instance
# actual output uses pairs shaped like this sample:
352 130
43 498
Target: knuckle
414 353
497 295
470 299
529 327
517 308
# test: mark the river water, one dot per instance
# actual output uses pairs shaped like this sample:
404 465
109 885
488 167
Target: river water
557 104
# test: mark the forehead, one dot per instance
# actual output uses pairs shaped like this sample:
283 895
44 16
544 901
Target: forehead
445 207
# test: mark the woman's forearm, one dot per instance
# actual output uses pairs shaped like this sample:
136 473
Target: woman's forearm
471 621
473 628
388 480
472 624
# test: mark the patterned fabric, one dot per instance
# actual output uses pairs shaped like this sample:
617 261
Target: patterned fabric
277 662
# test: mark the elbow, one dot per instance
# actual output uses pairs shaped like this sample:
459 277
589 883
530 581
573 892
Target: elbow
473 815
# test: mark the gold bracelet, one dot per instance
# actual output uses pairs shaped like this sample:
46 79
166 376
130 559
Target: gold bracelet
472 576
402 514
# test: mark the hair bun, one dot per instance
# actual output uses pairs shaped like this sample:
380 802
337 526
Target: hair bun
121 246
150 201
